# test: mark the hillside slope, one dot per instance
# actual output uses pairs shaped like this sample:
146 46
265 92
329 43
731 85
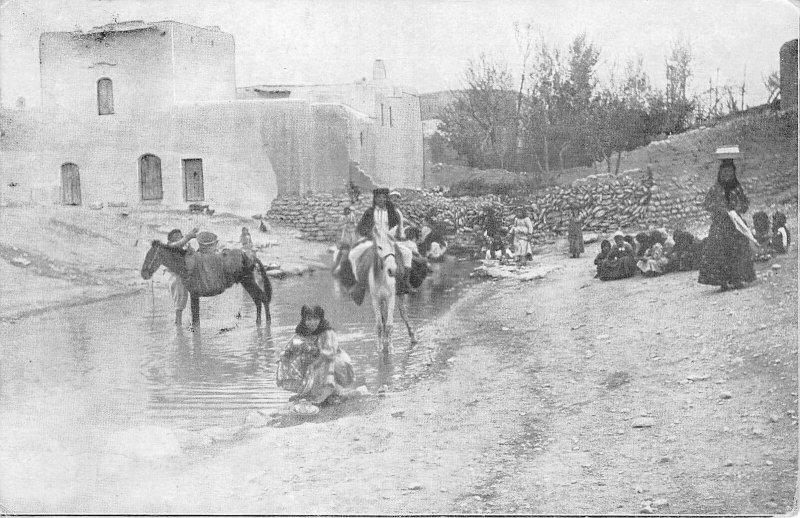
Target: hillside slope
684 164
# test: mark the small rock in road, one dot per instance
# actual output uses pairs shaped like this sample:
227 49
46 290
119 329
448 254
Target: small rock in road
643 422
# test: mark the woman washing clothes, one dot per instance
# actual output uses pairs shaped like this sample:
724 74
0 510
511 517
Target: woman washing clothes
313 365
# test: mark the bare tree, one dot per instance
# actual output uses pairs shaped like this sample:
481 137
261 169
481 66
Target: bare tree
773 85
679 73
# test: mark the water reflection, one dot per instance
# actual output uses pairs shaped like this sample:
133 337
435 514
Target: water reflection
129 356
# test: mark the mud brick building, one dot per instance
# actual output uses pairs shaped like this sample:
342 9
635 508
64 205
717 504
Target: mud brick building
150 114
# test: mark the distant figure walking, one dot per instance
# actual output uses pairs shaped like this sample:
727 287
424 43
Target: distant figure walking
523 232
247 242
726 260
575 233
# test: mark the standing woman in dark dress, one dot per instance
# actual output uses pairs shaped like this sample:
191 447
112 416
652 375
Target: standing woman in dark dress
726 261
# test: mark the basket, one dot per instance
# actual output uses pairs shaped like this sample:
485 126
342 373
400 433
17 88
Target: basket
728 152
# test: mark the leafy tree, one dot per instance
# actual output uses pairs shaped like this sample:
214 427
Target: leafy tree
558 99
480 123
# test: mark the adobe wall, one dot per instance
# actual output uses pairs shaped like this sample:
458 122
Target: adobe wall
387 148
238 174
397 160
138 63
150 69
251 152
204 63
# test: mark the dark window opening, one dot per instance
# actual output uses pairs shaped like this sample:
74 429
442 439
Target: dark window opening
381 114
105 96
361 138
391 122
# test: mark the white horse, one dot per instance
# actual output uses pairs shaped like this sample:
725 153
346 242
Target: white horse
383 255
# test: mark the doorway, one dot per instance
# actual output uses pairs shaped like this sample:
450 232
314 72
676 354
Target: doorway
150 177
193 179
70 184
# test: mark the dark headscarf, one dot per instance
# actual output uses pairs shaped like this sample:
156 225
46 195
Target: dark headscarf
315 312
656 236
761 222
728 186
173 235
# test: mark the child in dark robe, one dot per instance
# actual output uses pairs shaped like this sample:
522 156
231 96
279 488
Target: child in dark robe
780 234
605 248
763 236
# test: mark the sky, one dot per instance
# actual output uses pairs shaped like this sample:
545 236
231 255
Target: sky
425 44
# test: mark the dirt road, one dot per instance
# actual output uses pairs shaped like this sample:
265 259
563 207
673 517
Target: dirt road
567 395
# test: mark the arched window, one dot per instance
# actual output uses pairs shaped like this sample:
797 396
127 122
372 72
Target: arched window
105 96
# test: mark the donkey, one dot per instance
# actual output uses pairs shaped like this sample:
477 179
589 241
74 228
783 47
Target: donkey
379 264
235 267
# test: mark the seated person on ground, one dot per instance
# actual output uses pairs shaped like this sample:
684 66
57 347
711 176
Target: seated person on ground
642 244
312 364
763 236
684 255
781 239
654 261
605 248
620 263
631 241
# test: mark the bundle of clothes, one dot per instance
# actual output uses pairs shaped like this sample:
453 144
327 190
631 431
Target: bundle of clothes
655 253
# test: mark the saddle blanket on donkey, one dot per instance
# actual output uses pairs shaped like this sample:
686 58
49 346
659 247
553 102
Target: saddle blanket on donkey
211 273
355 269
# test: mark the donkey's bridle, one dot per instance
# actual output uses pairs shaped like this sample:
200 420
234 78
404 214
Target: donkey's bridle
382 258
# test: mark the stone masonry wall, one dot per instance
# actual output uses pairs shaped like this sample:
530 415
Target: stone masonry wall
605 203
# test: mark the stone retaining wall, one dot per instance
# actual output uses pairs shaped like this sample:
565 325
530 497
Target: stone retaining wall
606 204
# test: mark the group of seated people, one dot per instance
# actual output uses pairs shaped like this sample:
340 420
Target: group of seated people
771 241
649 253
655 253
